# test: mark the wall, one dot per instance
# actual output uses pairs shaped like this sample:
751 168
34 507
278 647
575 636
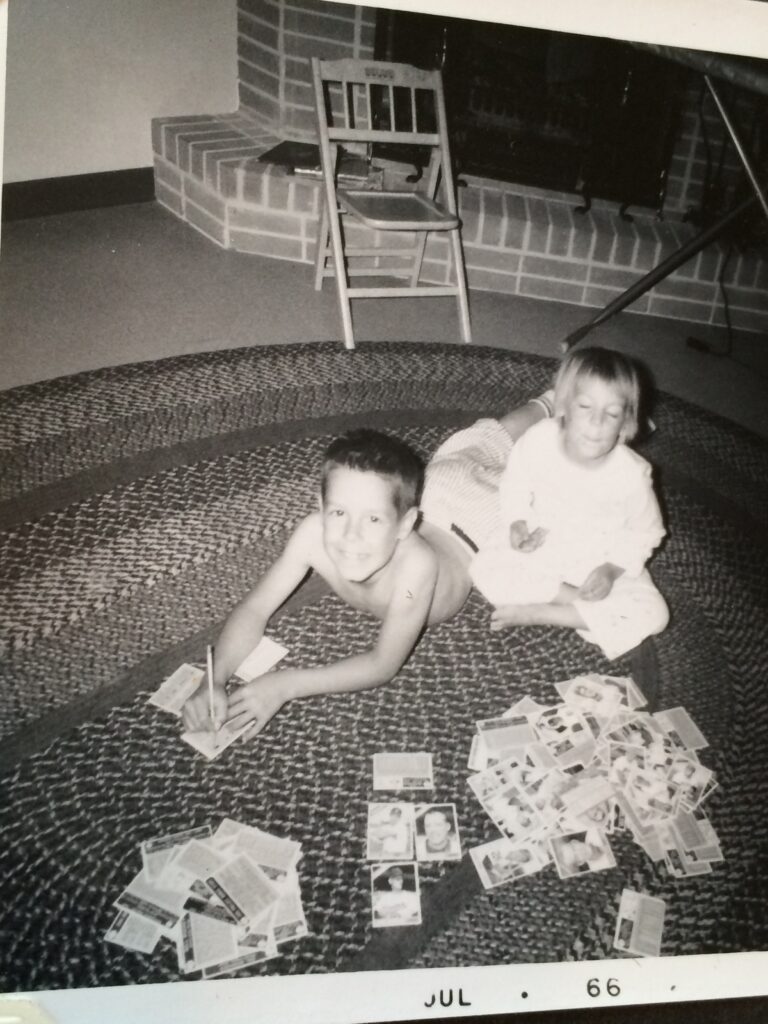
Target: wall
276 38
86 77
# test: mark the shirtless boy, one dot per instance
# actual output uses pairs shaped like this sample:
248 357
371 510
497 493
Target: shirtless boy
367 543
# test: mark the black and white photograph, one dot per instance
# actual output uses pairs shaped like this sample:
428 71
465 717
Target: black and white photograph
390 831
395 770
501 861
395 901
580 852
383 500
437 832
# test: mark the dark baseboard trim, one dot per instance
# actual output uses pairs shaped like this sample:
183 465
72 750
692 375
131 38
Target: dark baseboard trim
46 196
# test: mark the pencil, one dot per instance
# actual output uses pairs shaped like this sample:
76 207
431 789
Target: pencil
209 656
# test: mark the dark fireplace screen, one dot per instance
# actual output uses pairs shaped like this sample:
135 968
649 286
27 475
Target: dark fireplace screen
557 111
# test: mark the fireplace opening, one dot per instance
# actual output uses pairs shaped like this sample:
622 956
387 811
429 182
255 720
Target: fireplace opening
557 111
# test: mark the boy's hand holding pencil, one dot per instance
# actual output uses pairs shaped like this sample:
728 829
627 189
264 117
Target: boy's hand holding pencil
208 707
212 719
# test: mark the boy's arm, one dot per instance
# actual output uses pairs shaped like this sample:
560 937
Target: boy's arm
403 623
247 621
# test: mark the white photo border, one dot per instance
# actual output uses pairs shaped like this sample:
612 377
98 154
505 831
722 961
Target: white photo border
722 26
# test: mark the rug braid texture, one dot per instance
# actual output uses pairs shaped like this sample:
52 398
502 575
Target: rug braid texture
138 505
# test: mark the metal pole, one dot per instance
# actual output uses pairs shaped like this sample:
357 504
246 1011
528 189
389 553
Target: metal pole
670 264
743 156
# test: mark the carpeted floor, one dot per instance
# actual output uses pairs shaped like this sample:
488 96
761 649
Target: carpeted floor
139 503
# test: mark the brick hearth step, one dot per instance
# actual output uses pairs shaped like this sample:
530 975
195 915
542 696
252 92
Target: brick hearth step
517 240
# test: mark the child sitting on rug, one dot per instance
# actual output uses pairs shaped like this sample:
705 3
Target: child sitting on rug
364 542
582 515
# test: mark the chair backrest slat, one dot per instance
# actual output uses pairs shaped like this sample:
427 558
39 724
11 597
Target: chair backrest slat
393 94
383 72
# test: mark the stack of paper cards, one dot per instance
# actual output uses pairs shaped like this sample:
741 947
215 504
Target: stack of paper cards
558 781
226 898
176 690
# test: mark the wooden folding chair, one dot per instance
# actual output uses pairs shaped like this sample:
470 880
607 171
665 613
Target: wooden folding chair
359 103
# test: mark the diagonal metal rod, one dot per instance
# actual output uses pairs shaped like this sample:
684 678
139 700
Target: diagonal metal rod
743 155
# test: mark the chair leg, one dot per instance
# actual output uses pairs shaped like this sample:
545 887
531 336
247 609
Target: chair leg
321 252
340 274
462 297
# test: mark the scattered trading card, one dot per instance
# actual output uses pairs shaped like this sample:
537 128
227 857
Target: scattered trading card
288 920
437 832
204 942
210 743
520 769
640 731
277 857
566 733
512 812
502 734
150 900
208 906
403 771
155 853
133 932
174 692
502 861
260 947
589 800
546 795
577 853
243 887
639 924
265 655
678 724
525 706
590 693
196 859
395 895
477 759
390 831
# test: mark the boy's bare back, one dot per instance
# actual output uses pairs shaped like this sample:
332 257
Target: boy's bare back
427 559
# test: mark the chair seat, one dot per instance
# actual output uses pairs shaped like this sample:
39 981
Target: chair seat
397 211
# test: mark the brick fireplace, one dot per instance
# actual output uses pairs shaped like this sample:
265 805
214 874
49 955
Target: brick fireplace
517 239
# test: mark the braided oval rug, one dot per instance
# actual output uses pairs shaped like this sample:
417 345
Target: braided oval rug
139 503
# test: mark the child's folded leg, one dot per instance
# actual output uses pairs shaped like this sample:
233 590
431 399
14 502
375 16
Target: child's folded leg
506 576
633 611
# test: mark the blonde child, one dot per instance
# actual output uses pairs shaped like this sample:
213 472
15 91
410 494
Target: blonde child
582 515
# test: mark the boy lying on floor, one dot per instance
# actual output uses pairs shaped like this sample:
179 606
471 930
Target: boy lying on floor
365 542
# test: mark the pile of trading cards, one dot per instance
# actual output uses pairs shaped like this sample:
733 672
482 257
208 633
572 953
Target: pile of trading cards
176 690
227 898
558 781
399 831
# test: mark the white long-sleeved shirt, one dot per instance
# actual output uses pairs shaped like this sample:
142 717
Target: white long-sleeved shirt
606 512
